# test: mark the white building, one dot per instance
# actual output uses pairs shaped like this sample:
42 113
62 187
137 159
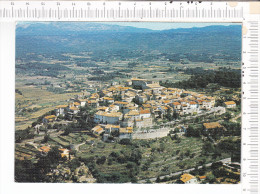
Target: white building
145 113
83 102
206 104
230 104
60 110
125 133
107 117
188 179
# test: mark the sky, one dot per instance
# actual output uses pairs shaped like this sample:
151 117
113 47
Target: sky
167 25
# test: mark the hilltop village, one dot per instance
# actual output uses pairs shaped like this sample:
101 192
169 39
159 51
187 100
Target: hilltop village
136 105
142 119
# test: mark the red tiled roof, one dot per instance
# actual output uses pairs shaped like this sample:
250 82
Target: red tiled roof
146 111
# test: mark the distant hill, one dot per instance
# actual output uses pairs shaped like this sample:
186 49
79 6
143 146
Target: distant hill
72 28
207 29
56 37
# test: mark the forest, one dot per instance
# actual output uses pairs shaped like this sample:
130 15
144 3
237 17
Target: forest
200 79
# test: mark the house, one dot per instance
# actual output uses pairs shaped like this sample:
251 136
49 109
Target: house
145 122
188 179
213 128
133 114
141 99
94 96
97 130
64 152
176 105
129 108
184 109
213 125
74 110
146 106
111 128
166 102
202 178
93 103
120 103
230 104
108 117
128 82
206 104
108 100
44 149
129 96
139 83
103 108
106 93
49 118
145 113
155 87
194 105
60 110
113 108
83 102
76 104
125 133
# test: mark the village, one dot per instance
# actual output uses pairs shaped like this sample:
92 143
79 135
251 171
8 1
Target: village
138 105
139 109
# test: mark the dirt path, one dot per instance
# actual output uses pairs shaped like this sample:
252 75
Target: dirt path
78 145
235 118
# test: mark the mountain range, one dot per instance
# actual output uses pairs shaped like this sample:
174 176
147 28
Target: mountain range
50 37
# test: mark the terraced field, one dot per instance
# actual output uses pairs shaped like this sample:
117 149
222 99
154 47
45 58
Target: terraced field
159 162
24 151
33 96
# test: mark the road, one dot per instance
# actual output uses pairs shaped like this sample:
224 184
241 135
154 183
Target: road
226 160
40 138
78 145
162 132
235 118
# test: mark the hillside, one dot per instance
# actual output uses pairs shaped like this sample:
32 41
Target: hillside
79 37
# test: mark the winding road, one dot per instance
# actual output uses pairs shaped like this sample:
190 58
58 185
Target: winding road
226 160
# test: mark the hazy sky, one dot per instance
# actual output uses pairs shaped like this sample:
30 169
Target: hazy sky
166 26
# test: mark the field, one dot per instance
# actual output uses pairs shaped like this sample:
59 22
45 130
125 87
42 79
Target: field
34 102
159 157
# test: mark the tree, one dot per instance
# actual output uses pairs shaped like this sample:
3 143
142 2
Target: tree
125 141
227 116
134 126
192 132
158 179
211 178
162 147
136 156
208 148
169 115
216 165
101 160
67 130
146 166
46 138
187 153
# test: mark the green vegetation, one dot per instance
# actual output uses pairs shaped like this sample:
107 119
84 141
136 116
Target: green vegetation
41 69
223 77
